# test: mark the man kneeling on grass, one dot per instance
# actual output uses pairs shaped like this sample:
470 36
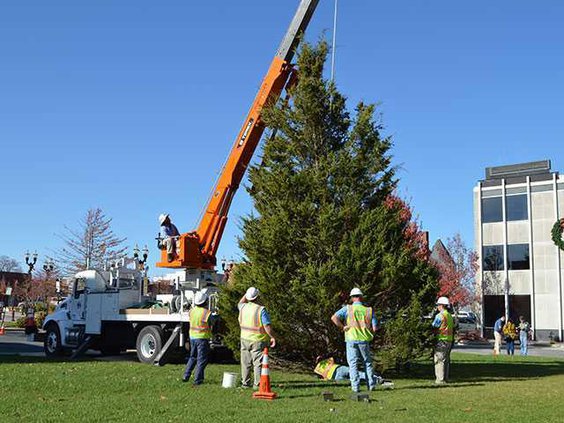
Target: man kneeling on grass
329 370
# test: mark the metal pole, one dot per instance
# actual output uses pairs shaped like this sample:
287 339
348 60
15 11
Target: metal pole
334 49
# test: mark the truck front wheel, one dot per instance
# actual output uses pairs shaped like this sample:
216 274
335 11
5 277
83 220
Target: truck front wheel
53 344
149 343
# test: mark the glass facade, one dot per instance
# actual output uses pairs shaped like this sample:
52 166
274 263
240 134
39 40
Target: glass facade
516 207
518 257
492 258
491 210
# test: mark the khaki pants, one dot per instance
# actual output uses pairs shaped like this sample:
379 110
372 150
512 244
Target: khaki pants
251 358
170 244
442 361
497 342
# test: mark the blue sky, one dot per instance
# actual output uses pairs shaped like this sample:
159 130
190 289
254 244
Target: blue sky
132 106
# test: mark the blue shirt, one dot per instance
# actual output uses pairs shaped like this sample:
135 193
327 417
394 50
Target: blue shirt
438 320
498 325
264 316
342 315
168 231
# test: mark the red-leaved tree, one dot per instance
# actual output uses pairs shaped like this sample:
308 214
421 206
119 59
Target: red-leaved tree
457 265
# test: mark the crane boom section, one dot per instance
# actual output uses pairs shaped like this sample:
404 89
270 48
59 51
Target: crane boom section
198 249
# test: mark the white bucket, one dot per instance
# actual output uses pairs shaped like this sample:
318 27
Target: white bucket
229 380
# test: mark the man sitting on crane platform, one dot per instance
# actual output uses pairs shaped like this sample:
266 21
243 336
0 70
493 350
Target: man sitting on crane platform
169 234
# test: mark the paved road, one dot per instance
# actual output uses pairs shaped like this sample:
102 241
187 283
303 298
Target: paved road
15 343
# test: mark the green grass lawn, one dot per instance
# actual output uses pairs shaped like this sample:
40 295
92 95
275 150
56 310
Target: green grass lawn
483 390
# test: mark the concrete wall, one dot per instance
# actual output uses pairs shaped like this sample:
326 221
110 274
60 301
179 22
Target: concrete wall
545 280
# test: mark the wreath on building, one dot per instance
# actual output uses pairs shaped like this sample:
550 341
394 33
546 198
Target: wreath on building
557 230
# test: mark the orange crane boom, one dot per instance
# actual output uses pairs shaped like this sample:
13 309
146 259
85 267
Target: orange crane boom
197 249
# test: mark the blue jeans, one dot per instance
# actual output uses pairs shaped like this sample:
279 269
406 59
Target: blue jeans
510 346
343 373
199 352
356 354
524 340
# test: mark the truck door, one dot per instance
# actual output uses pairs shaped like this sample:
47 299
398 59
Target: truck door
77 306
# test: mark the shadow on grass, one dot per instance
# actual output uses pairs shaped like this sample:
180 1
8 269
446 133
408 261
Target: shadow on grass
487 371
433 386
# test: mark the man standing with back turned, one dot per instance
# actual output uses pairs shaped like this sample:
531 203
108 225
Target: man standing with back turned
200 334
444 326
256 333
359 328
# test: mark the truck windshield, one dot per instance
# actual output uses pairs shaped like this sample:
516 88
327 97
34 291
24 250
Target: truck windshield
79 286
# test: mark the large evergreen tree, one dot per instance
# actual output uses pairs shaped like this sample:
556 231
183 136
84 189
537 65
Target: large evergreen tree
326 221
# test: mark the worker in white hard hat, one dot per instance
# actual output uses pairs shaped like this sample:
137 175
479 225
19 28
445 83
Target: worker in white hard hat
444 328
359 324
256 335
169 234
200 334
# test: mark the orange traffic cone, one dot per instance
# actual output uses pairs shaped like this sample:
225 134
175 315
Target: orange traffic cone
264 391
2 330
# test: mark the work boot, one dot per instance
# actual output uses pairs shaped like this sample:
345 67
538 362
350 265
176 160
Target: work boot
170 257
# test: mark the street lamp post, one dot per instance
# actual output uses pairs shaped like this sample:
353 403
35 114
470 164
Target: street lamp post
141 264
30 260
49 266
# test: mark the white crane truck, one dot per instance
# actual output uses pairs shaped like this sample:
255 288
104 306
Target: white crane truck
111 311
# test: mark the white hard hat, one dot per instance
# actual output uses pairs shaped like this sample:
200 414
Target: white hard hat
163 217
252 293
355 292
200 298
443 301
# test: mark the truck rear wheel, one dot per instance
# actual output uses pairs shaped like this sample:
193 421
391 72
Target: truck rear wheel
149 343
52 344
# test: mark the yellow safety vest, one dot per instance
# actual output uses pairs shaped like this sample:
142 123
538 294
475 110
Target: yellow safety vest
199 323
326 368
446 330
250 321
359 321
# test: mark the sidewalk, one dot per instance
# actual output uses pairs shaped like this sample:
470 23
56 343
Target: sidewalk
536 349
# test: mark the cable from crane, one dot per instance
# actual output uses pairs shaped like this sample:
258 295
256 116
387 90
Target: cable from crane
334 49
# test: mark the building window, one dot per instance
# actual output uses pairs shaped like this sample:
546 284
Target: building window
516 207
494 308
518 256
492 258
491 210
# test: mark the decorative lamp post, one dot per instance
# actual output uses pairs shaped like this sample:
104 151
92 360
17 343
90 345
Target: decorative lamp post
48 266
30 260
140 264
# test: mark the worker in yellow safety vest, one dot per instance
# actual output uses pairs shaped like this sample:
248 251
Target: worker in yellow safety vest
327 369
444 329
359 323
256 335
200 335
